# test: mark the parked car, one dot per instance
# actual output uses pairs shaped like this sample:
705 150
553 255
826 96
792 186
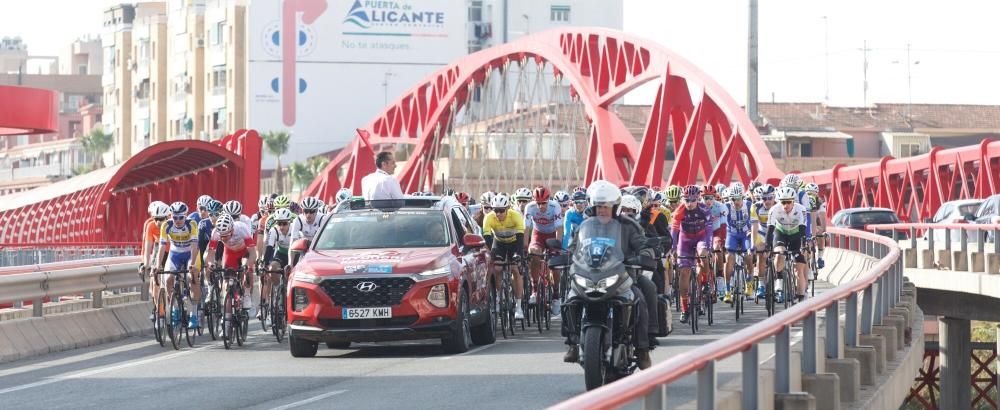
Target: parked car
953 212
860 218
405 269
989 213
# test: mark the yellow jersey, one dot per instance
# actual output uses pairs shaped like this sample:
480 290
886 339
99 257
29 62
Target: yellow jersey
179 238
504 231
759 214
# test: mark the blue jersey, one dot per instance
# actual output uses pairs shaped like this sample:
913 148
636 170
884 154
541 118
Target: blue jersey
571 223
738 220
718 215
195 216
205 228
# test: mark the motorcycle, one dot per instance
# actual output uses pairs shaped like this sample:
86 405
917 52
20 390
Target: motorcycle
601 302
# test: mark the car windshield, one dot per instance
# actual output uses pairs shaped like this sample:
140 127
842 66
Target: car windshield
969 209
871 218
375 229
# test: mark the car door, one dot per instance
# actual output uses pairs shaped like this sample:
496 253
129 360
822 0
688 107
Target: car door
987 210
468 257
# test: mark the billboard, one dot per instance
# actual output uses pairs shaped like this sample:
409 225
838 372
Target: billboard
321 68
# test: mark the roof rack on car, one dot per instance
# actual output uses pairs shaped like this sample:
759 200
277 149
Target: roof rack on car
390 205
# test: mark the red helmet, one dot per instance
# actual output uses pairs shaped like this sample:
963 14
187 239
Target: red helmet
462 197
709 190
540 194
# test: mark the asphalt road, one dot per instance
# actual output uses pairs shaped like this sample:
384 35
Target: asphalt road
525 371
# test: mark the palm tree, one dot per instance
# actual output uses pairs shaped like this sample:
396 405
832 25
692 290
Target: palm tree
276 143
318 164
96 143
301 174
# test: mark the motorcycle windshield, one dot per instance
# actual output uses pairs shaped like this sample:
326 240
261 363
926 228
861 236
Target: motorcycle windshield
598 253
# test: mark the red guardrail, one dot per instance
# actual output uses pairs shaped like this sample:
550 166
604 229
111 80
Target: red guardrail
643 385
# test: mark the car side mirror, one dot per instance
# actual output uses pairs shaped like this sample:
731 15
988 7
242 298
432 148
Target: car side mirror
472 240
301 245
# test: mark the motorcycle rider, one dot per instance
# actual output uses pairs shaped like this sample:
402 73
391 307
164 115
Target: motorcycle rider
604 200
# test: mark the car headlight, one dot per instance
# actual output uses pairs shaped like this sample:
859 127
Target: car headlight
306 277
438 296
434 273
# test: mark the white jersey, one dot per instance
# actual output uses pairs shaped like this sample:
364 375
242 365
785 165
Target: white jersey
302 229
278 240
787 222
239 240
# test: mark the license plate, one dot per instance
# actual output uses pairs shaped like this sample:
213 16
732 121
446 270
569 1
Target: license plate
367 313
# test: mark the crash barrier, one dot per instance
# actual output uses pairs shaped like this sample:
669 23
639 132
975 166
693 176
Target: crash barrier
964 247
38 253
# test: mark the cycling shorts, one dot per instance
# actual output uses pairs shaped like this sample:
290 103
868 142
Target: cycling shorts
736 242
538 239
689 247
234 259
791 242
281 256
504 251
177 261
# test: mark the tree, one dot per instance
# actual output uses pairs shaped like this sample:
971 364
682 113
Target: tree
276 143
318 164
96 143
301 174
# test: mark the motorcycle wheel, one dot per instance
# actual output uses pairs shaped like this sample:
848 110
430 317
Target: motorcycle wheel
594 371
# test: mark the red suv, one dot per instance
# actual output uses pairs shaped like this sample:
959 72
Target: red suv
405 269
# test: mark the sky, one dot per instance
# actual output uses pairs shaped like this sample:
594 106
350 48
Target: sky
953 59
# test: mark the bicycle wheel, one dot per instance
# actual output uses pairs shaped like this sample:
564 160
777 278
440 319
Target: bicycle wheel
229 319
739 287
769 292
189 333
174 329
264 313
244 323
786 284
710 302
693 302
541 303
159 324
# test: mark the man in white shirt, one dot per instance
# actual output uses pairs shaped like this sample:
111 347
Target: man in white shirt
381 184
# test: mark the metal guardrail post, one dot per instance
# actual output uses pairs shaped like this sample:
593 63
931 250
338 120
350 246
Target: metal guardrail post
866 310
913 239
782 360
981 245
930 241
707 381
656 399
37 308
947 239
809 344
963 242
879 306
996 241
851 323
750 364
832 331
97 299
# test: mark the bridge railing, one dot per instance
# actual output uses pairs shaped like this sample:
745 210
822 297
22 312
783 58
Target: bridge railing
40 282
880 289
963 233
37 253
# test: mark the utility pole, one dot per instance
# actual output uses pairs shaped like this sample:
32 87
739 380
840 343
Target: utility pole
909 88
865 50
752 65
826 46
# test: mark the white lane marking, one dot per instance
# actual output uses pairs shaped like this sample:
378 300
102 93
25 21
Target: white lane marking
87 373
476 350
104 352
309 400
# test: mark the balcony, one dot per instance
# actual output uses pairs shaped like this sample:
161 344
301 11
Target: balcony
43 171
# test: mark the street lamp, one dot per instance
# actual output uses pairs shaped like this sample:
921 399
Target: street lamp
385 87
527 24
909 84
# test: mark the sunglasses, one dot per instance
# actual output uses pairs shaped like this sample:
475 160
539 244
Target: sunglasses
565 205
282 223
691 199
522 201
767 198
709 198
628 212
786 202
310 211
159 219
488 208
499 210
672 202
580 202
178 218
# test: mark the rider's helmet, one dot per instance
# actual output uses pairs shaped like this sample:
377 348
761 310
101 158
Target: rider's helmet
282 201
673 193
630 202
786 193
159 209
179 209
735 191
214 208
224 225
522 193
692 193
641 193
580 189
792 181
283 214
500 202
487 198
343 194
812 188
579 196
656 197
233 208
203 201
720 187
711 191
561 197
540 194
604 193
262 202
767 191
463 198
311 203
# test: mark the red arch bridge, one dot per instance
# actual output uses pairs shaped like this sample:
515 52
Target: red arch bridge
516 114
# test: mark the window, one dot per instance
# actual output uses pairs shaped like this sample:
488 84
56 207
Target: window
800 149
81 69
216 35
909 150
476 11
559 13
218 79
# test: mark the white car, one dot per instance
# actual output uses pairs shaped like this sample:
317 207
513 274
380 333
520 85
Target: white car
954 212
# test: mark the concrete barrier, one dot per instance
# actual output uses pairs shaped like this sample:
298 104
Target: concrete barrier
34 336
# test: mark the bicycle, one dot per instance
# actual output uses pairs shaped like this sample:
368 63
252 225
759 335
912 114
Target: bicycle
179 322
159 308
264 310
276 303
506 296
235 319
696 293
770 296
543 288
739 282
789 278
212 308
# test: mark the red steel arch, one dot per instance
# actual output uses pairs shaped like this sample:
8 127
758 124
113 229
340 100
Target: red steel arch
109 205
26 110
601 66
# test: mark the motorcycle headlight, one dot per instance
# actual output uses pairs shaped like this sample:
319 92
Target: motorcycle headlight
583 282
601 285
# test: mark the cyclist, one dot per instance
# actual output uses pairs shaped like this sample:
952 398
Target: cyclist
817 208
237 243
574 217
278 239
692 234
262 212
564 200
759 219
786 226
522 196
542 216
507 226
737 234
308 223
158 213
182 236
710 196
234 209
632 208
202 211
463 198
486 206
205 227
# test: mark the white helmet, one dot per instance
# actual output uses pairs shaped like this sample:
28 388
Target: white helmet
233 208
203 201
604 193
311 203
786 193
487 198
630 202
501 201
262 202
792 181
224 225
159 209
344 194
735 190
812 188
524 193
283 214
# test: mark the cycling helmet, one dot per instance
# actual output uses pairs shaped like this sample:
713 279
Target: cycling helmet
203 201
463 198
792 181
580 189
283 214
343 194
754 185
812 188
487 198
522 193
159 209
282 201
179 209
311 203
786 193
224 225
657 197
673 193
735 191
295 208
767 190
630 202
270 204
500 202
540 194
262 202
711 191
561 197
720 188
214 207
641 193
692 193
604 193
234 208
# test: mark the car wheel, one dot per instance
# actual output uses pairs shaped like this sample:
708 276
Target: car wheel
486 333
460 340
338 345
302 347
